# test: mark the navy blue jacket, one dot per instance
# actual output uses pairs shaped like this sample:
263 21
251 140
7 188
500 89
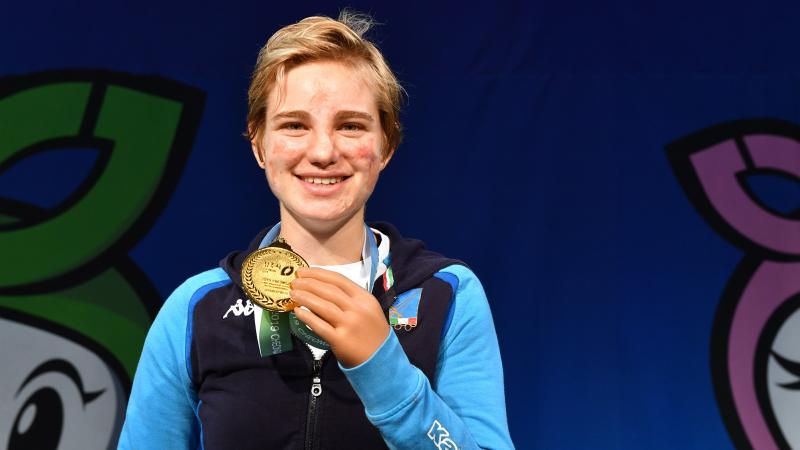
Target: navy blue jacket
202 383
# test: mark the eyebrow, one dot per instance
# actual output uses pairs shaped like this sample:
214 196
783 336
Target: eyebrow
341 115
354 115
297 114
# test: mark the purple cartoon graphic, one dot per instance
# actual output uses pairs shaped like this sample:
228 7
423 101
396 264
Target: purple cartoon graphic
755 356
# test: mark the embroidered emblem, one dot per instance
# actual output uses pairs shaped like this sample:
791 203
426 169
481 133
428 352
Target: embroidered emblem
238 309
441 437
403 313
388 278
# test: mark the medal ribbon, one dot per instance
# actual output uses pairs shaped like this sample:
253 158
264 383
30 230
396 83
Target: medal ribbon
273 333
274 327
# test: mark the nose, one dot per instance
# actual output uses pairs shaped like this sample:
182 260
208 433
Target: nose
323 152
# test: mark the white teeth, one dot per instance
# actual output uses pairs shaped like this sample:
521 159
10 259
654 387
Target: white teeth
315 180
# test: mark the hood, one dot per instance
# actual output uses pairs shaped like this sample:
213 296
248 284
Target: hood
232 263
411 262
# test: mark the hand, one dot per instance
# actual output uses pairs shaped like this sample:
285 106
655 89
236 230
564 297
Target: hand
348 317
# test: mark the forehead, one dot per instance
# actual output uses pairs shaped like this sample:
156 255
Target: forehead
322 86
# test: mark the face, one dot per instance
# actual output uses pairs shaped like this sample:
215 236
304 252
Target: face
783 379
321 144
57 393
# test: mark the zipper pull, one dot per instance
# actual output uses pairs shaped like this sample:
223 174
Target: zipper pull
316 386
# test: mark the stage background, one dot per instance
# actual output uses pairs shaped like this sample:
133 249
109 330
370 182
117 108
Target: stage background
535 150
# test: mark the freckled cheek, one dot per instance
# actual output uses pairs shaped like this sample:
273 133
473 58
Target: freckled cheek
282 154
365 157
365 153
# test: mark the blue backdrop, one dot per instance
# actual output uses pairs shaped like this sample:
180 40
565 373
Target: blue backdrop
535 137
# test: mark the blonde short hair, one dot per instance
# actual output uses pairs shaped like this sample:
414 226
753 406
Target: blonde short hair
322 38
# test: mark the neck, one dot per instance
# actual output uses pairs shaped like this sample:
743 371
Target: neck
325 245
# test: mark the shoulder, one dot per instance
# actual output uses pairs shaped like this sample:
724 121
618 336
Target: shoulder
169 329
204 281
469 306
461 278
182 301
194 288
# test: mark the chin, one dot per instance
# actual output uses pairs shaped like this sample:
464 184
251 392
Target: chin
318 218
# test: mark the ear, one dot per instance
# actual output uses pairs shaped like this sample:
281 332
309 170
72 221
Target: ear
258 153
385 159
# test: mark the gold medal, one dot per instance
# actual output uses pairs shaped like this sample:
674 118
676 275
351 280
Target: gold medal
266 274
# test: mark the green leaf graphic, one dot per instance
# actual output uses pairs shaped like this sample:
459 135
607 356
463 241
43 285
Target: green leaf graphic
141 127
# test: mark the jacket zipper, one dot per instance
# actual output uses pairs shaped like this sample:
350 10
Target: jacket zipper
316 391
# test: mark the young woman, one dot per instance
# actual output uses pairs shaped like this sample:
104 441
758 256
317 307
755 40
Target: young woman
403 351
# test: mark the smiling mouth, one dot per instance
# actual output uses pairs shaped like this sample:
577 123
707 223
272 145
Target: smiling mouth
316 180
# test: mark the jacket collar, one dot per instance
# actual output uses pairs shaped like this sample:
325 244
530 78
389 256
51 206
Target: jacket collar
410 261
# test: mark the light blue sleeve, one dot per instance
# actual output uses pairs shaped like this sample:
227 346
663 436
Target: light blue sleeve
163 404
466 407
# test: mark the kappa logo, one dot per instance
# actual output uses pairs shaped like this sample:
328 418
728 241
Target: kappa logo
441 437
403 312
238 309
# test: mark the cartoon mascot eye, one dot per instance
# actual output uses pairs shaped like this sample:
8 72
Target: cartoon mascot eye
39 423
792 367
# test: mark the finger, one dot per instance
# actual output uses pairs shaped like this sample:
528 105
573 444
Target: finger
326 310
328 276
323 290
317 324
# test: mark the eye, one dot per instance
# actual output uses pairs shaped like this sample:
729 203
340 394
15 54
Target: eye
793 367
40 421
73 400
352 128
293 126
